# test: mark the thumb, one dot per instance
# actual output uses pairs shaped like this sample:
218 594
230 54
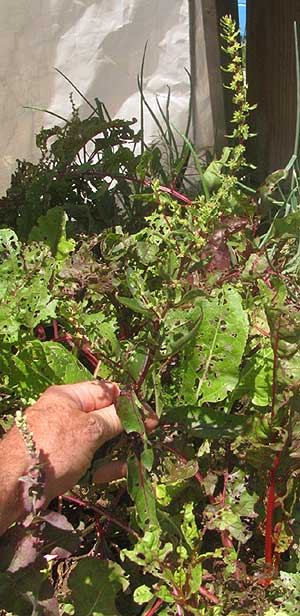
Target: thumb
86 396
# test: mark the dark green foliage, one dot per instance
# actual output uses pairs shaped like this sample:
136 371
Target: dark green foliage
76 171
197 317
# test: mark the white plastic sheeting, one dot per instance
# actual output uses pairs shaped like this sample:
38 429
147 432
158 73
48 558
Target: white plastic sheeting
99 45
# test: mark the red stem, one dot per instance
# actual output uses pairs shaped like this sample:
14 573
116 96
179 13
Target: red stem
271 501
154 608
165 189
271 491
55 329
101 511
209 596
179 611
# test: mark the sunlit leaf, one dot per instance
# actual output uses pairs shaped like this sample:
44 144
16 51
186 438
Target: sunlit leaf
212 362
51 229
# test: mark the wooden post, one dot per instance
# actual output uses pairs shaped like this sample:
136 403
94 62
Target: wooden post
209 108
272 81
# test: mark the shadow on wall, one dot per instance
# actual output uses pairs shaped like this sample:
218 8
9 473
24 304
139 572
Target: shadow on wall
99 46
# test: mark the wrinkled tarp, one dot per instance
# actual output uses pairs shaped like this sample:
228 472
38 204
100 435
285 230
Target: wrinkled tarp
99 45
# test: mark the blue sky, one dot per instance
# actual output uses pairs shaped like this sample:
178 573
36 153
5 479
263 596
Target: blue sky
242 15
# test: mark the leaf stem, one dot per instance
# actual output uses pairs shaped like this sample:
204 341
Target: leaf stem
154 608
179 611
101 511
166 189
271 501
271 491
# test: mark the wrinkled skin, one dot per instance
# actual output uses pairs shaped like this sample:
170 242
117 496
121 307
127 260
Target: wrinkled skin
69 423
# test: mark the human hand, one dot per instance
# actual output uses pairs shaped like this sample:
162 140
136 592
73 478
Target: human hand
69 423
82 418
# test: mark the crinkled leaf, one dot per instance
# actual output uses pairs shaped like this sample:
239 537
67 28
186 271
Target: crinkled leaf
272 181
180 326
136 361
23 587
262 456
147 252
19 548
28 593
180 470
25 299
226 519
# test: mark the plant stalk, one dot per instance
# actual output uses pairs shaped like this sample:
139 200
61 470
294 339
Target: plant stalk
101 511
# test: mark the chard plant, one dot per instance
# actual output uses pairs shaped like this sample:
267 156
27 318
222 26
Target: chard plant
198 320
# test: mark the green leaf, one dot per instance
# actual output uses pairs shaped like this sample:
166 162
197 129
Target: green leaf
287 227
180 326
128 409
136 361
213 173
147 252
179 470
208 423
135 305
226 519
149 550
211 365
142 594
180 342
195 580
94 584
189 527
256 378
9 248
40 364
272 181
51 229
141 491
25 299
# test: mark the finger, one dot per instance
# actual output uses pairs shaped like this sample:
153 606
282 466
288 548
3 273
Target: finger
110 472
86 396
108 422
151 423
